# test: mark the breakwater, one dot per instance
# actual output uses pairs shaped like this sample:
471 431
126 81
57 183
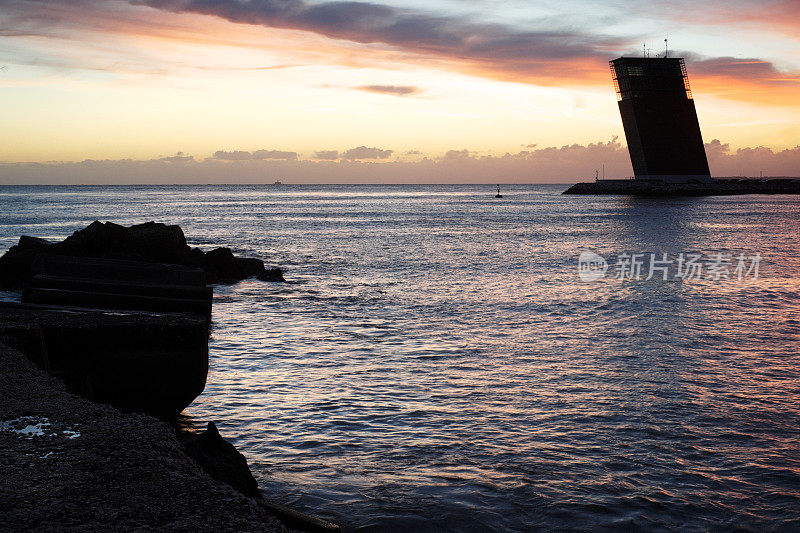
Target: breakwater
80 428
717 187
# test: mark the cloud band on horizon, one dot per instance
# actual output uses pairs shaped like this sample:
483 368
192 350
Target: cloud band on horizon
551 164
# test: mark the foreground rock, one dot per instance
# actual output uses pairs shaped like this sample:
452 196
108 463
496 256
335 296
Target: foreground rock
150 242
69 464
718 187
117 284
143 362
220 459
72 465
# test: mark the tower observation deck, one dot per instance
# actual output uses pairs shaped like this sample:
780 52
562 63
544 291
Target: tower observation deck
660 119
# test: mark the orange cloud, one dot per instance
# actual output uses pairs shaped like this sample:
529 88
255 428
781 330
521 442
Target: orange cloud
543 57
746 79
368 35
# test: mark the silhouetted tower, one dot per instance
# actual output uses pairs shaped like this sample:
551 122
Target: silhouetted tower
660 120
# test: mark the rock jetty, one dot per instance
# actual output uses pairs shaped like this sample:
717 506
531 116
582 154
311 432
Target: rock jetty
154 363
150 242
73 465
116 319
717 187
151 353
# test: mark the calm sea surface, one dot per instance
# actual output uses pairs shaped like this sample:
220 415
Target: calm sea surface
437 364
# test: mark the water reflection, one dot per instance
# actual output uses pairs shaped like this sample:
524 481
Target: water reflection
440 366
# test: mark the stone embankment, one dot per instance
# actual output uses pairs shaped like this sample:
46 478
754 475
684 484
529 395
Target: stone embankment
116 319
153 363
70 464
719 187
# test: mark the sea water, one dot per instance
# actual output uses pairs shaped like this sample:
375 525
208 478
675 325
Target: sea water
436 361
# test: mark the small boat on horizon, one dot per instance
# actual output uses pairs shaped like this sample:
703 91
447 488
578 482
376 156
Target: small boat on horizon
277 182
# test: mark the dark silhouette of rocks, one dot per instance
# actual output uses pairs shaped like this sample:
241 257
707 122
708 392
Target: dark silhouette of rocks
145 362
221 460
716 187
32 243
93 467
137 362
250 267
117 284
96 469
149 242
226 268
271 274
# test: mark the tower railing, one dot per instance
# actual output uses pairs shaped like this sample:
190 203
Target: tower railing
686 81
614 79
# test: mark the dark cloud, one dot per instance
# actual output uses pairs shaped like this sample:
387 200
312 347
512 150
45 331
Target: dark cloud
236 155
546 55
747 68
742 78
177 158
394 90
457 154
362 152
274 154
241 155
547 52
328 155
493 45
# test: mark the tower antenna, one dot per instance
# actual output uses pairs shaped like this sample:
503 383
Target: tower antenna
666 48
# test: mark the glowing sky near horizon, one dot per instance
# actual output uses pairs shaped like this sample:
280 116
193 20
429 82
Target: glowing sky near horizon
116 79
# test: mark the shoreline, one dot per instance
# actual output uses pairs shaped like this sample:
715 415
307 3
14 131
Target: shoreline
72 464
95 370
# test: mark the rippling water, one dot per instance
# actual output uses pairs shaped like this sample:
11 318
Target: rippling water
436 364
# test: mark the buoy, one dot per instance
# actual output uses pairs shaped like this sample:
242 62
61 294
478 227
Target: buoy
498 195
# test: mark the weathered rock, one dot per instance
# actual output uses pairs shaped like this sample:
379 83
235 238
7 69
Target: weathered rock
117 284
15 265
137 362
221 460
195 258
250 267
32 243
222 266
272 274
158 242
151 242
117 270
100 470
97 239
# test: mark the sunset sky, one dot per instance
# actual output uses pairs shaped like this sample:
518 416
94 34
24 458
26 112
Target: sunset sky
215 90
